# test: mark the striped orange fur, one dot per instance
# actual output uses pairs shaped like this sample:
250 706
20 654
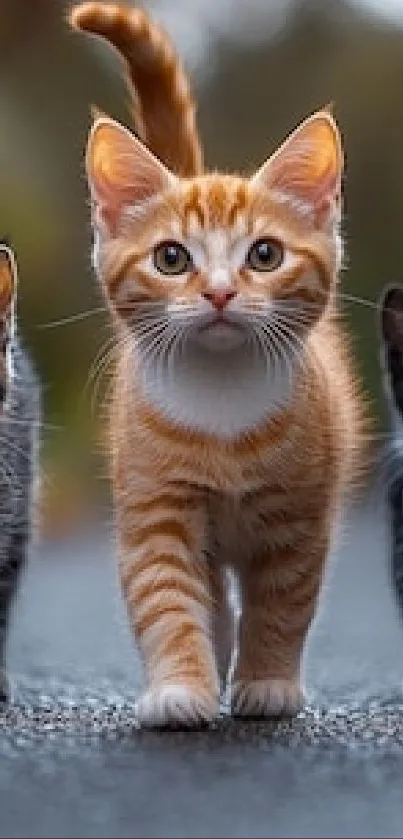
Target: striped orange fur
163 106
236 421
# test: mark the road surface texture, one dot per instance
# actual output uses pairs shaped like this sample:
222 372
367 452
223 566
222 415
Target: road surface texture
73 763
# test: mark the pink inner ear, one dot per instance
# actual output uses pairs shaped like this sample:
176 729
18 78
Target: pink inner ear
308 166
326 198
121 171
124 185
299 177
6 283
110 204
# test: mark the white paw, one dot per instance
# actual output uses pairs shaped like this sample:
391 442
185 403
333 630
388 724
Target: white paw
176 706
267 698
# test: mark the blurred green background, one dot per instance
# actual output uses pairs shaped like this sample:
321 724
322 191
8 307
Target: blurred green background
259 67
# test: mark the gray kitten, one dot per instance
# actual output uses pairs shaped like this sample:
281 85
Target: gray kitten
391 307
19 422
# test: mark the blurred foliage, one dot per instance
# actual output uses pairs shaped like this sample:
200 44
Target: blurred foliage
255 94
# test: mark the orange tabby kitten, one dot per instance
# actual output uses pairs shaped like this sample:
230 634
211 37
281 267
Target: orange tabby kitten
236 421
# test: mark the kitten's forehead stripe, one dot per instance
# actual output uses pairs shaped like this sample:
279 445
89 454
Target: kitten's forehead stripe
217 199
214 202
193 209
239 204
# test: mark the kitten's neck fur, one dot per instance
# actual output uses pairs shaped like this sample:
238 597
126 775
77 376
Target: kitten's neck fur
225 394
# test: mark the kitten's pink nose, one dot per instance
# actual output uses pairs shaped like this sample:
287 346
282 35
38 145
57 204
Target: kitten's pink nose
220 298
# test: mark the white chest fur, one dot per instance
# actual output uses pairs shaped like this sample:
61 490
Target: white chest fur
218 393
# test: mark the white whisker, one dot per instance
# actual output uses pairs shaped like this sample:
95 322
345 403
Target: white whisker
79 316
361 301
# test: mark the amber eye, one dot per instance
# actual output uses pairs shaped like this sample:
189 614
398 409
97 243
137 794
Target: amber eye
265 255
172 258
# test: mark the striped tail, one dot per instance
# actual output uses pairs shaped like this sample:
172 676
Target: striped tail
163 106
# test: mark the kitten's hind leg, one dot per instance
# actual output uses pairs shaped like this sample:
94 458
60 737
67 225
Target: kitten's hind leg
4 688
279 593
11 563
6 596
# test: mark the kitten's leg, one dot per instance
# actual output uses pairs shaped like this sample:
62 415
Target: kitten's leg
4 689
10 568
165 578
223 622
279 595
8 584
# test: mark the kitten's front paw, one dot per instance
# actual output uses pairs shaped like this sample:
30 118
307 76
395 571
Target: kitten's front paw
176 706
267 698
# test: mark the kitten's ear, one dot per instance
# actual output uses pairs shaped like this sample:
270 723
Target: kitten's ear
308 167
391 307
121 171
8 280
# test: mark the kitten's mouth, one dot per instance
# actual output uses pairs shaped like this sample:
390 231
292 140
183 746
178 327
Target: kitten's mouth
220 321
220 333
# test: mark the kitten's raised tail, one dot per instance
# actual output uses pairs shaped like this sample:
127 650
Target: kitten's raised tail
164 109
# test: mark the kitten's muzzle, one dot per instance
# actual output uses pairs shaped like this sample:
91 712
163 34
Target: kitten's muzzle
220 298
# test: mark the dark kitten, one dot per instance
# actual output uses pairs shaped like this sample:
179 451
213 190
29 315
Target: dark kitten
19 421
392 360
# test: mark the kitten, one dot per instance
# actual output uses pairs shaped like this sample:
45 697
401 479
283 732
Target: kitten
19 418
236 421
391 308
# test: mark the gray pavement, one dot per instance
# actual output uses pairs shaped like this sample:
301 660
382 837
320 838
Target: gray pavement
73 763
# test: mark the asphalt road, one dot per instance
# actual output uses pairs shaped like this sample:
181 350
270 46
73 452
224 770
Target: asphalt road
73 763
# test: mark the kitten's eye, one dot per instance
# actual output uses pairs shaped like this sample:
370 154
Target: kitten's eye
265 255
172 258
